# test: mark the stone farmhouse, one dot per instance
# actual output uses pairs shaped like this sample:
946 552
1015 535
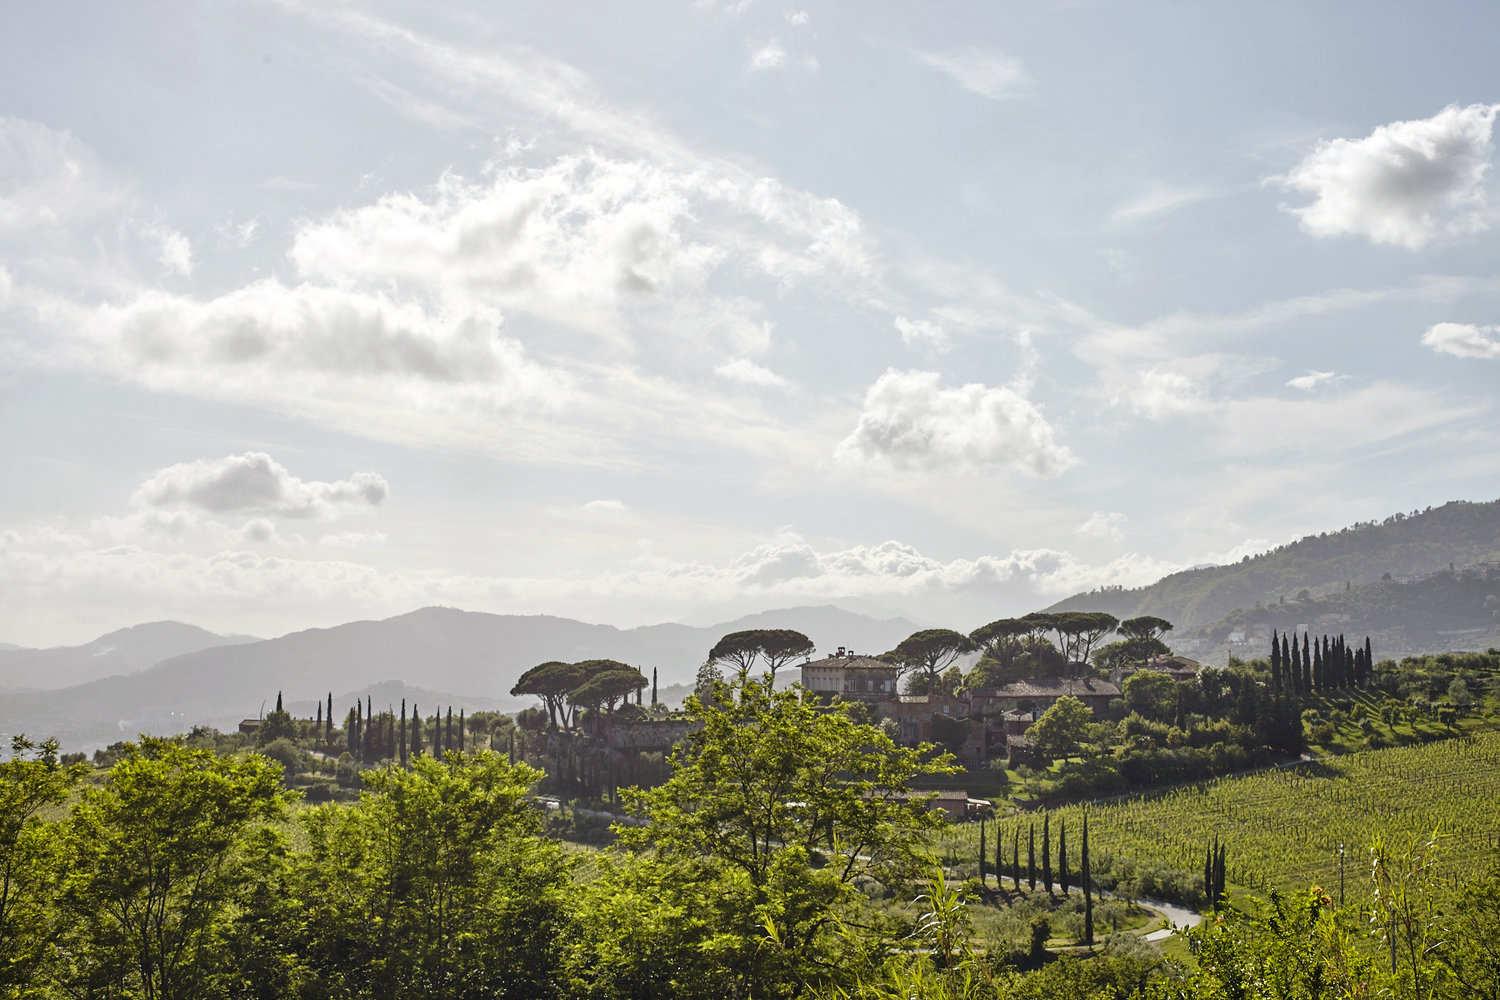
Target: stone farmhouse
977 725
850 676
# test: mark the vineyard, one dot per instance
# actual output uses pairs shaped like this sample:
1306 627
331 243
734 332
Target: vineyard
1283 827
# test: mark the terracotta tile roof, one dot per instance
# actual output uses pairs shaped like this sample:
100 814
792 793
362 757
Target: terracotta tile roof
1055 687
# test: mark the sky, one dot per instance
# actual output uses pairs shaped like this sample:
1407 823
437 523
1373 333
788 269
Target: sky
675 311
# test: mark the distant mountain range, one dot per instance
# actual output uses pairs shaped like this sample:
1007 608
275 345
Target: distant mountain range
1420 582
125 651
473 658
1403 546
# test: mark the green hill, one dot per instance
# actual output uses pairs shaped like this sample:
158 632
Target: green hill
1447 610
1401 547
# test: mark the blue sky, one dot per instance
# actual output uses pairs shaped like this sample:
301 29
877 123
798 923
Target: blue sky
676 311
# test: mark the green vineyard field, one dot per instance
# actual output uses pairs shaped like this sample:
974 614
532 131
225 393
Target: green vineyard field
1283 827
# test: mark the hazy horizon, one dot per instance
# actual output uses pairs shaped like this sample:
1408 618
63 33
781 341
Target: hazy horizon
312 312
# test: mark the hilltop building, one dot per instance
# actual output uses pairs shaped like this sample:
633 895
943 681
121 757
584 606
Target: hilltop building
1036 694
975 725
851 677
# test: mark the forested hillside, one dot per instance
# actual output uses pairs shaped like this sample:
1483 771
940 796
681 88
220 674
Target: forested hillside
1446 610
1401 546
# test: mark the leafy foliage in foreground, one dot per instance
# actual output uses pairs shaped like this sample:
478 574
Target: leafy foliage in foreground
783 858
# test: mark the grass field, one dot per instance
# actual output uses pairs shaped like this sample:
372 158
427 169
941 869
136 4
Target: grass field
1283 827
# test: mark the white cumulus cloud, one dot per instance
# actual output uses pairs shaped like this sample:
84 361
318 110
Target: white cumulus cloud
49 179
747 372
1106 525
1404 184
1463 340
911 420
1158 393
174 250
988 74
768 56
922 334
1311 380
1157 202
255 482
353 539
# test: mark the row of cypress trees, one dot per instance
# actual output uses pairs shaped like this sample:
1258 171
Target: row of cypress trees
1213 873
1063 873
370 738
1318 665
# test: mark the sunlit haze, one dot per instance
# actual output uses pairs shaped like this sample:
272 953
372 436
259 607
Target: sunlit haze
312 312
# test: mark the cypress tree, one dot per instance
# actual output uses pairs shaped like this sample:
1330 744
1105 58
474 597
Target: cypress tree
364 735
1031 858
653 687
328 733
448 731
351 732
1015 859
437 735
1317 669
1219 857
1062 856
416 730
278 701
403 732
999 853
1369 663
461 744
319 720
1306 666
1275 662
983 858
1088 898
1047 852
